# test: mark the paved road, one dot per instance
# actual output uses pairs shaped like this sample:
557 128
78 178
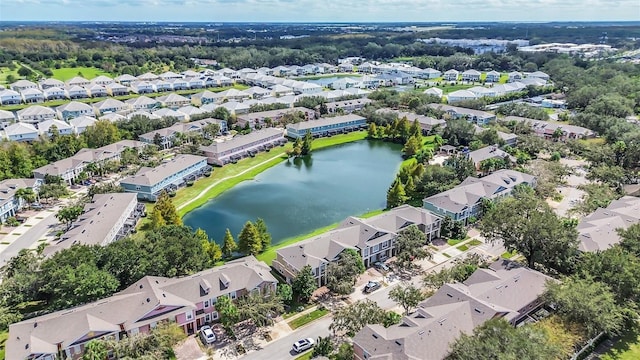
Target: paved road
26 240
281 348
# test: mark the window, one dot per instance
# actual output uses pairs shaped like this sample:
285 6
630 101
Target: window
206 303
207 318
189 315
214 315
153 325
233 295
134 331
213 300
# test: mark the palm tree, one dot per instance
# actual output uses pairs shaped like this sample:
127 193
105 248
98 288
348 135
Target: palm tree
27 195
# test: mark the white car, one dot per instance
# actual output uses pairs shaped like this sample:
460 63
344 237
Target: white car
303 345
206 335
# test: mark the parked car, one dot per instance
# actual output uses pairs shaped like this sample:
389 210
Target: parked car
371 286
303 345
206 335
381 266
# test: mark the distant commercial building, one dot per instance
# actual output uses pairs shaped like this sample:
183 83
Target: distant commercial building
327 126
148 183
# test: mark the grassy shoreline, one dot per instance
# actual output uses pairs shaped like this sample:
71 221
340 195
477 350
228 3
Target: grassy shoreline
246 169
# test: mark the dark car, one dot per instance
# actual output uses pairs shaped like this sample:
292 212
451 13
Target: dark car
381 266
371 286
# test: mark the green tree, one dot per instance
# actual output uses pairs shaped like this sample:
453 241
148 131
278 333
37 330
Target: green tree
304 284
229 314
496 339
586 302
8 316
617 268
212 249
407 296
352 318
69 286
630 239
174 251
259 307
343 273
265 237
69 214
285 292
462 166
249 240
323 347
412 146
372 131
530 227
344 352
307 144
396 195
27 195
167 209
228 244
157 221
95 350
102 133
410 246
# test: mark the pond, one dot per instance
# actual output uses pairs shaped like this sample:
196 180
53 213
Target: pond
298 196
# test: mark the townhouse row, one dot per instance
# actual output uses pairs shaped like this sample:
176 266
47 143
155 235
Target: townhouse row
189 301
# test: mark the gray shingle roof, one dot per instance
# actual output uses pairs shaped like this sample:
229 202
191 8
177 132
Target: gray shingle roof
152 176
598 230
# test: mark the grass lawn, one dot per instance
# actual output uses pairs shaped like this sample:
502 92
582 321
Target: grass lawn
293 309
5 71
305 356
446 255
474 242
463 247
454 242
3 338
307 318
627 348
341 75
67 73
508 255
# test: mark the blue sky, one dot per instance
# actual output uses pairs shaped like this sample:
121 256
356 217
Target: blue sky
320 10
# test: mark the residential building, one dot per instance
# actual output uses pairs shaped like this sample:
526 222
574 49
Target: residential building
162 85
430 73
9 203
36 113
281 90
221 153
78 81
110 106
55 93
169 113
451 75
147 77
179 84
264 118
6 118
373 238
477 117
97 90
191 111
553 131
515 76
125 79
492 76
74 109
235 107
116 89
77 92
258 92
434 91
471 75
102 80
21 131
62 127
49 83
489 152
142 103
465 200
427 123
113 117
21 85
347 106
148 183
80 124
538 75
205 97
105 219
189 301
142 87
598 231
10 97
303 87
32 95
69 168
174 101
505 290
167 135
460 95
327 126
